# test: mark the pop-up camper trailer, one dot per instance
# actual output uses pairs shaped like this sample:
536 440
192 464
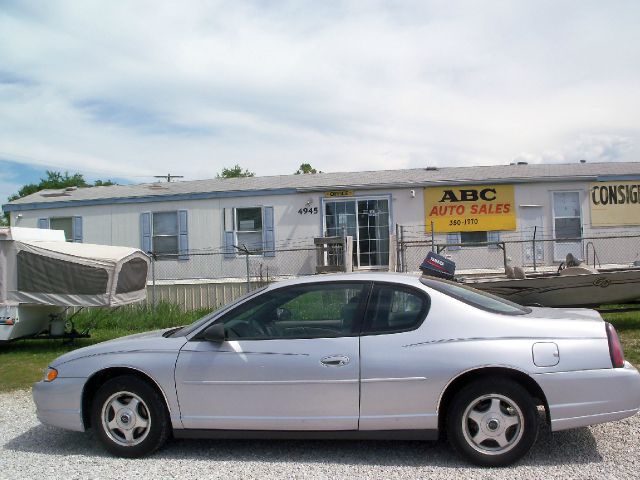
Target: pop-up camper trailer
41 276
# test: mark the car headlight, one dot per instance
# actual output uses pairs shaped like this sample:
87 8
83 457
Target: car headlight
50 374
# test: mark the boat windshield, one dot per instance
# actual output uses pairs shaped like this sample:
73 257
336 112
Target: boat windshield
475 298
186 330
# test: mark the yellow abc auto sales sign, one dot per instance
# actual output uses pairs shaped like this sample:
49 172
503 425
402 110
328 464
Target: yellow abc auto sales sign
470 208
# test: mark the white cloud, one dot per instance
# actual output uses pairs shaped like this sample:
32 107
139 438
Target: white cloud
143 88
595 148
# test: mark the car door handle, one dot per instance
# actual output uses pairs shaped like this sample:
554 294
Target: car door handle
335 360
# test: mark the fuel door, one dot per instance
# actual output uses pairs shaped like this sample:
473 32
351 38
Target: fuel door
545 354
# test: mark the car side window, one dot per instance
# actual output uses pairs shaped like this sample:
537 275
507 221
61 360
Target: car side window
305 311
393 308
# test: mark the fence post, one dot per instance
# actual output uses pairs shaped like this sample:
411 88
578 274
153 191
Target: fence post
535 254
433 238
246 250
153 284
403 251
398 249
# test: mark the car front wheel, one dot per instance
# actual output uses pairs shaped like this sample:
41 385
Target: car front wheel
130 417
492 422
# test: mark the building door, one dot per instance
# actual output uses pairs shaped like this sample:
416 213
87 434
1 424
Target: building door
531 222
567 225
367 221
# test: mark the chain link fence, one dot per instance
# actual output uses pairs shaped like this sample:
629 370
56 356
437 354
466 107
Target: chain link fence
528 248
211 278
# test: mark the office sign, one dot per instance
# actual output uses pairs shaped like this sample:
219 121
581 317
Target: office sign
614 203
470 208
339 193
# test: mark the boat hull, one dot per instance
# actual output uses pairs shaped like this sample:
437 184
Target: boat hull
585 290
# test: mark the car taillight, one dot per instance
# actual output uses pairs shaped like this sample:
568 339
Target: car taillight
615 347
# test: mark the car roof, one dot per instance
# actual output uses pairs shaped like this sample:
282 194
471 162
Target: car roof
393 277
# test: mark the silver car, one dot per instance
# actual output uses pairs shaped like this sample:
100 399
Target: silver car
350 356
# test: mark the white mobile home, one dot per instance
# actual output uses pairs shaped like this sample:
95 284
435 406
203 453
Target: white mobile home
467 205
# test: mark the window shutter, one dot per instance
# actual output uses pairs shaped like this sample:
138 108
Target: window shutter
77 229
43 223
453 238
493 237
183 236
145 232
268 236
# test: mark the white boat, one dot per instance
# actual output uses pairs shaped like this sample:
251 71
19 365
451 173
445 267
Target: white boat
42 275
574 286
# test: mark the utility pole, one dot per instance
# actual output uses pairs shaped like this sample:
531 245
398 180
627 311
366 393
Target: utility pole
168 176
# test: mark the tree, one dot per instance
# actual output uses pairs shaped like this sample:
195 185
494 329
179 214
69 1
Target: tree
234 172
103 183
55 180
306 168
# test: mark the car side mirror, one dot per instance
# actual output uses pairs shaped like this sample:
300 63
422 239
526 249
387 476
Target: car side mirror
214 333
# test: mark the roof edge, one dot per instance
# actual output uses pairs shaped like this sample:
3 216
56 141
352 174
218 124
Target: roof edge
16 207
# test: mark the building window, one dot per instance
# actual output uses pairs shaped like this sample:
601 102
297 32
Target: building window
566 213
63 223
248 228
567 225
471 238
165 233
71 226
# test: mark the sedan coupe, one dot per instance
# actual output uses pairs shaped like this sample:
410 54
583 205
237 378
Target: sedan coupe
371 356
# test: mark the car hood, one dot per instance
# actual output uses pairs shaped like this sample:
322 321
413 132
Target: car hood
153 340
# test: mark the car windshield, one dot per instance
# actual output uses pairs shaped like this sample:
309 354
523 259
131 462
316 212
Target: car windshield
186 330
475 298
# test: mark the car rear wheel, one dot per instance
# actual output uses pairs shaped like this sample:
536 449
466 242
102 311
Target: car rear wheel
130 417
492 422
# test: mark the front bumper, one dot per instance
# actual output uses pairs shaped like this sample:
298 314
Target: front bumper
59 403
581 398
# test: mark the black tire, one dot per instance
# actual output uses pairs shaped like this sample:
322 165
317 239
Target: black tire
492 422
130 417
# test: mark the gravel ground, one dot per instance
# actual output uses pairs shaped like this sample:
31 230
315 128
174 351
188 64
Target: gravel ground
29 449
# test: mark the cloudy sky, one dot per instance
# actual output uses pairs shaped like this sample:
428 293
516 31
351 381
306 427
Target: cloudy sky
128 90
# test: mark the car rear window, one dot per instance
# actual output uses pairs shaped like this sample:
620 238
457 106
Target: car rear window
475 298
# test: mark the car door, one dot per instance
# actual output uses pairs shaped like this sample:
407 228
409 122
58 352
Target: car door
290 361
394 385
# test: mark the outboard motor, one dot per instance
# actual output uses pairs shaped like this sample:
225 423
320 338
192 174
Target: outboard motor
437 266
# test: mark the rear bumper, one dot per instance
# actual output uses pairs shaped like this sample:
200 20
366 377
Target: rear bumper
58 403
578 399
